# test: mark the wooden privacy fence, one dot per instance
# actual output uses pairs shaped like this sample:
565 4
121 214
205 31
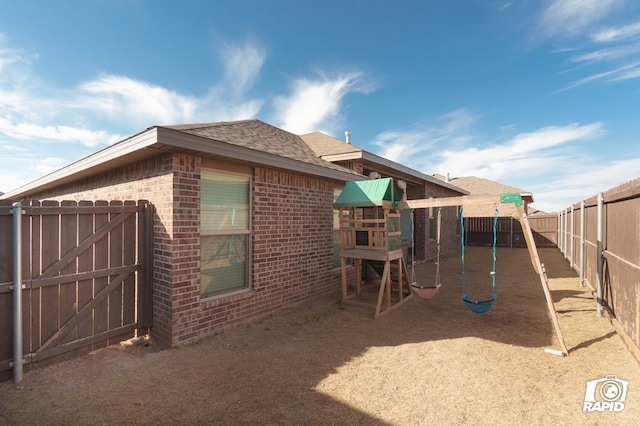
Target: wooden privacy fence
600 237
86 277
479 231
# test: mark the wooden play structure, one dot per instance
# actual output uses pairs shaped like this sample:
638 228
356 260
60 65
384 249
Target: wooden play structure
369 213
370 230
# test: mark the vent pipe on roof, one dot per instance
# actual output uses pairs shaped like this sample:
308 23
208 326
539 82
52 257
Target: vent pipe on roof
347 136
448 178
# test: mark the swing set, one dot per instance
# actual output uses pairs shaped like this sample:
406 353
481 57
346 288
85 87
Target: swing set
378 239
513 205
430 292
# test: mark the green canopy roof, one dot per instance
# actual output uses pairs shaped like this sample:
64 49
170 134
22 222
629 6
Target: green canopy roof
367 193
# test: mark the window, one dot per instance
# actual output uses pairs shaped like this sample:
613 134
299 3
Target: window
224 232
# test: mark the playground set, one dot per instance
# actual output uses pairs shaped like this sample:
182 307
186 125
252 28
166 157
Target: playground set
369 214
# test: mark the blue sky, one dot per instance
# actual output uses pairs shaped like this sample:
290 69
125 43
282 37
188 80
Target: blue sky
543 95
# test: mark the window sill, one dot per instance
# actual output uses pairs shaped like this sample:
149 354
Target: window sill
223 299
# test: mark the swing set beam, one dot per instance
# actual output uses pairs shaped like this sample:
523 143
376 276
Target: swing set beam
513 205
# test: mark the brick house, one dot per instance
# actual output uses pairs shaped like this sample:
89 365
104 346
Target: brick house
244 222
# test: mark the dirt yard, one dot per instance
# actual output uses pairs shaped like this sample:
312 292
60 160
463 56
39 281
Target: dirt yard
429 362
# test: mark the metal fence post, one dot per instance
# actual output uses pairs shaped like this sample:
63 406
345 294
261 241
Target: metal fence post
17 292
582 217
599 254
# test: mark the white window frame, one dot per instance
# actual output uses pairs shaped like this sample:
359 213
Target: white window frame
247 233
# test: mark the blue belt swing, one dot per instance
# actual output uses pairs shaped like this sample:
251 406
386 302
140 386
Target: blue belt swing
476 306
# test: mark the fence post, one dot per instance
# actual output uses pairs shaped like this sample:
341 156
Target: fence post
511 234
17 292
599 255
582 217
559 239
562 219
571 240
565 242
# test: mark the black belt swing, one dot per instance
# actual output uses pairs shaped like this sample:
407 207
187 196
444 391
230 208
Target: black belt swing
479 307
426 292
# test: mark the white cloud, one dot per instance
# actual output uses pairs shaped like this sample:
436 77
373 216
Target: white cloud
571 17
616 34
122 98
142 104
242 67
581 181
609 54
315 104
48 165
624 72
617 61
449 146
406 146
527 154
31 131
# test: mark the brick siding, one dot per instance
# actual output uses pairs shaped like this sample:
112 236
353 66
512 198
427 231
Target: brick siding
292 258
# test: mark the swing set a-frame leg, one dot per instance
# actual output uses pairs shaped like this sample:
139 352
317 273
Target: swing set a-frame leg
539 268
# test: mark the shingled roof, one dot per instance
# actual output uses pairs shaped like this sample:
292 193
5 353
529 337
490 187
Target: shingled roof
259 136
323 144
481 186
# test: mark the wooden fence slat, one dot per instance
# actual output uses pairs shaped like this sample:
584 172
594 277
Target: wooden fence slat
129 257
68 291
85 264
115 260
31 268
50 255
101 250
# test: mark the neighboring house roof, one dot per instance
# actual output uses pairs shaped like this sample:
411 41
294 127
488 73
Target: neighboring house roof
335 150
482 186
247 141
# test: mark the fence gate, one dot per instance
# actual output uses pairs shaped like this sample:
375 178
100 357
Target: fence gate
86 277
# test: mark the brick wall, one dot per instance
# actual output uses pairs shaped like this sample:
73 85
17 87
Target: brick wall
425 244
292 252
291 242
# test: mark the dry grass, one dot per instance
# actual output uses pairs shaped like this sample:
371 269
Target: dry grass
325 363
